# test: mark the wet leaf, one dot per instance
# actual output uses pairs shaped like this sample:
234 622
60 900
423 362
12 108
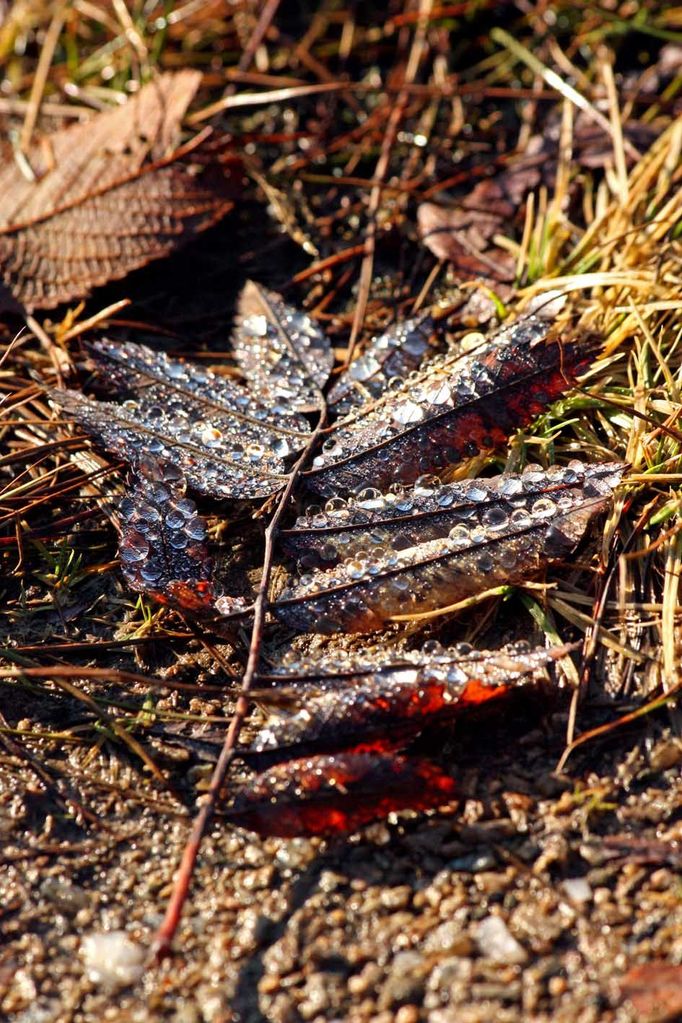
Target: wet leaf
514 541
284 355
430 510
224 440
457 407
393 355
110 195
162 546
331 795
382 707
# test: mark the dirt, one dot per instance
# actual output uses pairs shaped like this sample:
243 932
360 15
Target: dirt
578 872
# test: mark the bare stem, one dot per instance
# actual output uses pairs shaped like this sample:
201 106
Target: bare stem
164 936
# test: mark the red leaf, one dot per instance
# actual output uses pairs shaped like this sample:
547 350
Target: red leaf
384 707
456 407
333 795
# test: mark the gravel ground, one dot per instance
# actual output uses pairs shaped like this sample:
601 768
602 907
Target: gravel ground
529 902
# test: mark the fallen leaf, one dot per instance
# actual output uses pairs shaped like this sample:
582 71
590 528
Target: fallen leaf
109 196
331 795
463 233
514 543
430 510
283 354
224 440
383 708
455 408
393 355
163 548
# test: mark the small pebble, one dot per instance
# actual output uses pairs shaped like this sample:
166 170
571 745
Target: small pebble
112 959
577 889
68 898
556 986
496 942
449 937
407 1014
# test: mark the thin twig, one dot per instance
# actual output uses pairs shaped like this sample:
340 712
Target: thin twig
395 117
163 939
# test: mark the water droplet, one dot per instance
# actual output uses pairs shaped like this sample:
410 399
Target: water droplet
495 518
459 535
174 520
511 486
332 447
335 505
485 562
407 412
520 518
543 508
439 394
196 529
148 512
370 499
211 436
186 507
426 485
135 548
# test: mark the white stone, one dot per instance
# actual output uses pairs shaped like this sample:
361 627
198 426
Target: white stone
496 942
577 890
112 959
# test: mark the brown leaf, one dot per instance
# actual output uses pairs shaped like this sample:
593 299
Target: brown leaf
463 234
110 195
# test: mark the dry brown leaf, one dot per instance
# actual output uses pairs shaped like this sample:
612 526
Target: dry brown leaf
110 195
463 234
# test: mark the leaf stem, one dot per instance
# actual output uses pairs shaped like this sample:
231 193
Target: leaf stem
163 939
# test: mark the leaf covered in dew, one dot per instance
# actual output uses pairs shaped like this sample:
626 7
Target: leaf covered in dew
377 704
332 795
285 357
429 510
162 543
393 355
513 540
225 441
456 408
109 196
